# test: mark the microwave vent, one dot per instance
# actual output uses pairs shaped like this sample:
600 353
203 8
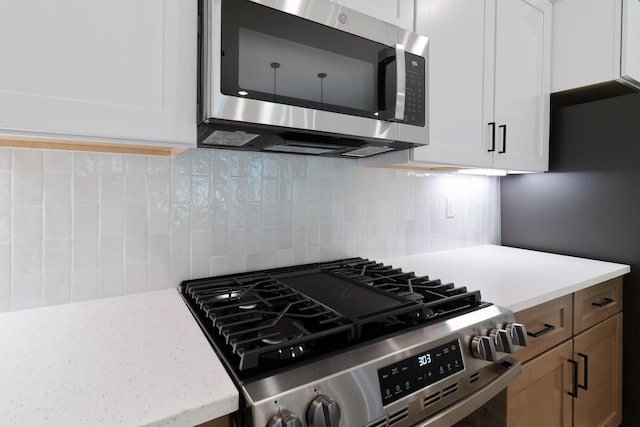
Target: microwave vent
229 138
367 151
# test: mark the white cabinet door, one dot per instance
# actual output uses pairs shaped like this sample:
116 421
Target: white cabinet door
460 68
586 43
116 71
489 72
522 75
396 12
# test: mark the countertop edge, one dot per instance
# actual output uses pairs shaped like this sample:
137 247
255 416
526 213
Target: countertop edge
569 289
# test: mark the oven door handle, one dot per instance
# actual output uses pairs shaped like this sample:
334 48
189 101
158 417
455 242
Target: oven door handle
454 413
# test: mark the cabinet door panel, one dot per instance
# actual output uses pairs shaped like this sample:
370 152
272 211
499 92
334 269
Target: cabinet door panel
522 83
586 51
459 52
100 70
539 396
601 404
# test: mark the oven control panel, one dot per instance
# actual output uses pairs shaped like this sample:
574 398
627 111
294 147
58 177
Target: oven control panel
419 371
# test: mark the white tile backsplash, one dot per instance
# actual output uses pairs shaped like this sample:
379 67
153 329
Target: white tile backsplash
57 205
76 226
5 276
5 159
5 206
26 292
27 177
58 161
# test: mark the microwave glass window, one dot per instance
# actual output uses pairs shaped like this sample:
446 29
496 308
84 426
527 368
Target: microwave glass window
273 56
287 69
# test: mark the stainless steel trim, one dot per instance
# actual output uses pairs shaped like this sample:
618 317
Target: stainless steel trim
205 57
339 17
351 378
418 45
216 105
454 413
401 83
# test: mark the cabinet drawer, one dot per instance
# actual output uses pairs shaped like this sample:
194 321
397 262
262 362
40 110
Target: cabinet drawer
596 303
547 325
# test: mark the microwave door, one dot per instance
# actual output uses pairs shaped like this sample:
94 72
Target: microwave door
268 63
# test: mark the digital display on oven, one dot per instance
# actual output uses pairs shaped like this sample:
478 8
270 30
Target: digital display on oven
419 371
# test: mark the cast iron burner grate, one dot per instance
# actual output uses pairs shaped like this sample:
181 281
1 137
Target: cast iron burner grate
440 299
266 320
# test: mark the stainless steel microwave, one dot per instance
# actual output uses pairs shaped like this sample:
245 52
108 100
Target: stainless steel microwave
310 77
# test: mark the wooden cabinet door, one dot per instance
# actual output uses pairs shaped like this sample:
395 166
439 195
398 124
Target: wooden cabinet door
522 84
599 354
540 394
115 71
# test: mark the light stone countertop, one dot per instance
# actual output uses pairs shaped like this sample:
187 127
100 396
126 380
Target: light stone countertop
142 360
137 360
512 278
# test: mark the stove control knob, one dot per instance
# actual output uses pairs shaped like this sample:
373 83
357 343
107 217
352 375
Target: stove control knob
483 348
323 412
518 333
503 340
284 419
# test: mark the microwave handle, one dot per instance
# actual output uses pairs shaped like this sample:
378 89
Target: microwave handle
392 108
401 82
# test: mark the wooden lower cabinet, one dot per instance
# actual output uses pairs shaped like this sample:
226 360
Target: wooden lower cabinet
601 348
571 379
218 422
539 396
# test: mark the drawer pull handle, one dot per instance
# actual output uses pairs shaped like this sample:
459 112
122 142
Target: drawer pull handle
547 328
574 369
604 302
585 386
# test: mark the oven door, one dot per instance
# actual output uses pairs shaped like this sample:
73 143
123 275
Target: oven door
485 407
314 66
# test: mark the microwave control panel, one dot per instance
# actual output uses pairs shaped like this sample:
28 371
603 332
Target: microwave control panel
414 108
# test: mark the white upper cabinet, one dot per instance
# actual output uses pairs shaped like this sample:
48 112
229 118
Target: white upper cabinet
396 12
522 84
489 72
116 71
460 66
595 41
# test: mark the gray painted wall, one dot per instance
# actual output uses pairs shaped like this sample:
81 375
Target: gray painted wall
588 204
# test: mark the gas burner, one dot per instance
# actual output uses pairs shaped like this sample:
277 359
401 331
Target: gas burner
240 298
263 320
279 331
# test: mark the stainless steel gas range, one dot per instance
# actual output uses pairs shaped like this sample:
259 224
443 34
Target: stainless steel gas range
357 343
